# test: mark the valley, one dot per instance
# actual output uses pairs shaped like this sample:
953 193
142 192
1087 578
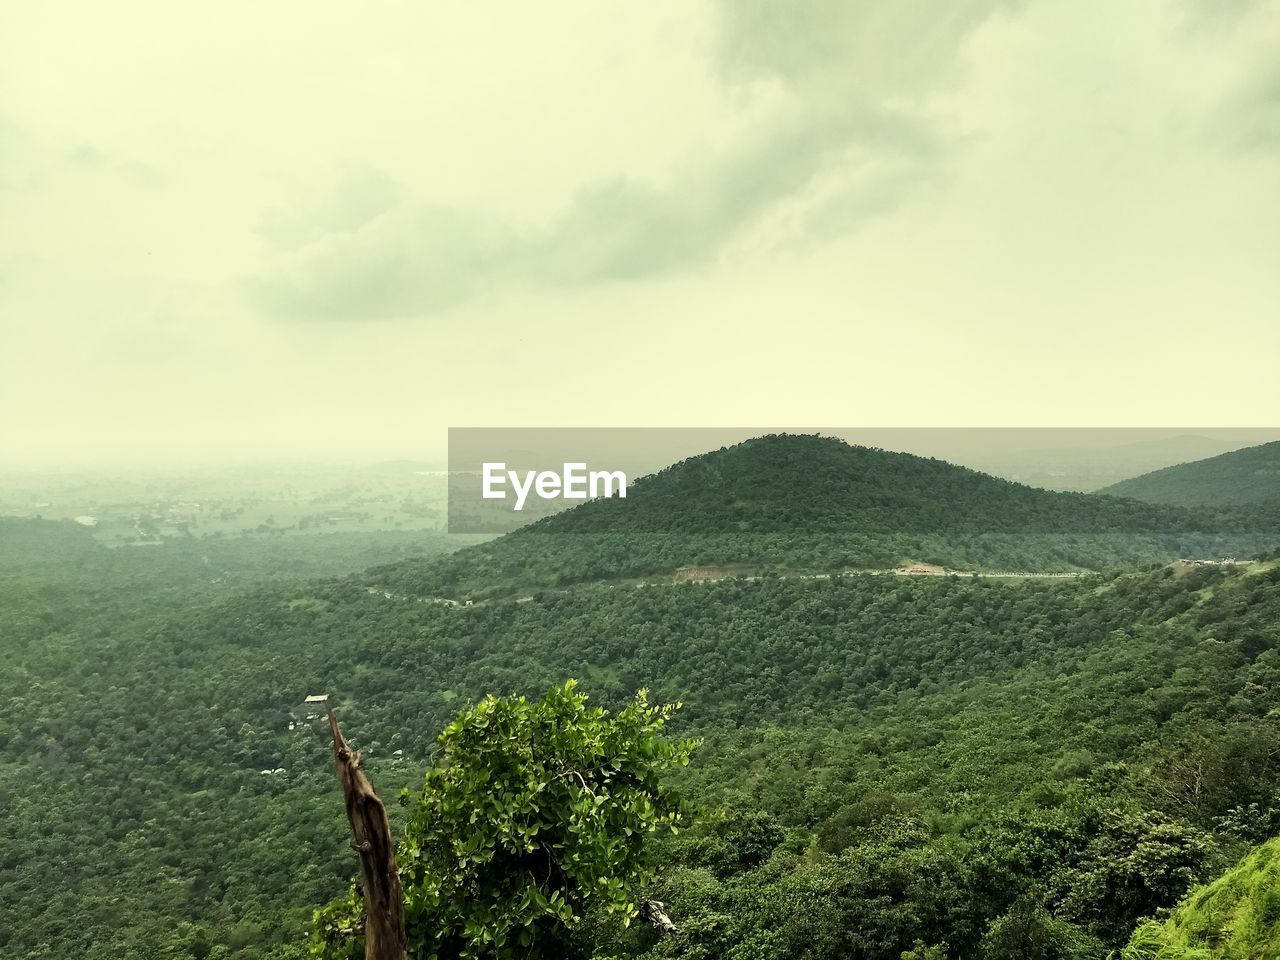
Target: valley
911 752
729 480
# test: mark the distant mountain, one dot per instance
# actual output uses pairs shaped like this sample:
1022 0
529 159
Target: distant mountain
806 504
1090 468
406 466
1248 476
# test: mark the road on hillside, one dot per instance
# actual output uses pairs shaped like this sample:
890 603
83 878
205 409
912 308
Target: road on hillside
672 580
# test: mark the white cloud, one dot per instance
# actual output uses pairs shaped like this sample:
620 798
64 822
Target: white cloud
844 83
1041 211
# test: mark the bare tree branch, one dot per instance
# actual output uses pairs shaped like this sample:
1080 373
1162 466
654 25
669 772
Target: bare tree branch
371 837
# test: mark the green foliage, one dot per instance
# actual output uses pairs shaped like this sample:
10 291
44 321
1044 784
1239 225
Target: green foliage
1236 917
134 819
735 843
336 929
802 484
1029 932
876 900
816 504
532 814
1133 864
920 951
1002 720
1248 476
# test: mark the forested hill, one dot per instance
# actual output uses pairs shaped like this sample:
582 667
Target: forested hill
804 503
788 483
1248 476
903 758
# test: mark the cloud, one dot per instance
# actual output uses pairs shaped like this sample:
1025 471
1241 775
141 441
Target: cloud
845 140
1245 115
1218 14
1252 117
412 259
628 231
89 158
360 196
32 159
860 48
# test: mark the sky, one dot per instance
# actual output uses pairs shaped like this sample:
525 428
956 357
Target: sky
234 231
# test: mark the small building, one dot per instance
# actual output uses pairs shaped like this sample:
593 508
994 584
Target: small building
314 706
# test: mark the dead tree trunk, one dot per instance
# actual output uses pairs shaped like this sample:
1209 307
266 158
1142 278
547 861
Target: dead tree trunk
654 912
371 837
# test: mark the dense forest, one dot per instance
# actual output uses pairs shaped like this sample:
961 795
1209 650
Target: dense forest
889 766
1248 476
1003 735
801 483
811 504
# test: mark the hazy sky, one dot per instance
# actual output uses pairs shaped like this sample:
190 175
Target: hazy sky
274 229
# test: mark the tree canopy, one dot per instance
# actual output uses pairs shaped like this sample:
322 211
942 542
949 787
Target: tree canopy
533 815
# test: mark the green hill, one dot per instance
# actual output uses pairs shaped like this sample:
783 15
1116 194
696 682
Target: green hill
788 483
1248 476
807 504
1237 917
961 762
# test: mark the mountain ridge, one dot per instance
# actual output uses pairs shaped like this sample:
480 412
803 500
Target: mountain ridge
1247 476
802 502
812 483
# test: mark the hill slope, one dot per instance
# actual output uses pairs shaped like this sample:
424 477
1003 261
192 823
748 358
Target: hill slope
1237 917
789 483
798 503
1089 468
848 712
1248 476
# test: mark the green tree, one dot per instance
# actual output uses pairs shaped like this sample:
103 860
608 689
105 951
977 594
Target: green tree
1029 932
922 951
533 814
1136 863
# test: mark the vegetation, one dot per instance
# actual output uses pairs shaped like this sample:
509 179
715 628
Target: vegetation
803 484
813 504
1248 476
532 815
1236 917
62 551
897 759
235 503
934 767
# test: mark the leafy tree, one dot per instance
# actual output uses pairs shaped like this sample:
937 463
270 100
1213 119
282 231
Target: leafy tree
1028 932
735 842
923 952
1236 917
533 814
1134 864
